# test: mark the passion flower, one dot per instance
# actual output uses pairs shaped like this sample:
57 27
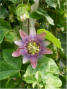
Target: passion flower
31 47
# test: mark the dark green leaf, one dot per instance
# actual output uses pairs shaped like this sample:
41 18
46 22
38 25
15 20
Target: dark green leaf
35 15
40 13
10 65
14 1
3 12
14 62
4 28
6 70
52 3
46 15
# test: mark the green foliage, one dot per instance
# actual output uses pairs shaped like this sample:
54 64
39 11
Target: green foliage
52 3
11 36
10 67
14 62
40 13
4 28
51 19
51 37
3 12
46 72
15 1
22 11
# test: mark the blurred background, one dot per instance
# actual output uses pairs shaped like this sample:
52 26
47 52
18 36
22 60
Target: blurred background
14 15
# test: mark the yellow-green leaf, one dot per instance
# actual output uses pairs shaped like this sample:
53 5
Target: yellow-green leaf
50 37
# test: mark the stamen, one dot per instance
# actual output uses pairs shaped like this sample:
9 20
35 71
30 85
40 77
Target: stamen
33 48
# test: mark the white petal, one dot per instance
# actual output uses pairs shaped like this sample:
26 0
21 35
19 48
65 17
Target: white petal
19 43
25 59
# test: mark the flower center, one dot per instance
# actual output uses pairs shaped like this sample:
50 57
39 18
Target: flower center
33 47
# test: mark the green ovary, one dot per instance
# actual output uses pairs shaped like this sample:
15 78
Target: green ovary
33 48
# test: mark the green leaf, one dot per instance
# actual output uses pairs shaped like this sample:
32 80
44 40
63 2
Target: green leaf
50 37
34 84
14 1
50 87
4 28
7 74
53 80
62 37
52 3
30 79
14 62
6 70
11 36
61 23
38 76
10 65
46 15
22 11
40 13
35 15
49 19
3 12
45 65
46 71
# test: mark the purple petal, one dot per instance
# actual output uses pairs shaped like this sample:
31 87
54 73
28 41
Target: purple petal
19 42
33 62
42 35
23 51
23 34
16 53
25 59
47 51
